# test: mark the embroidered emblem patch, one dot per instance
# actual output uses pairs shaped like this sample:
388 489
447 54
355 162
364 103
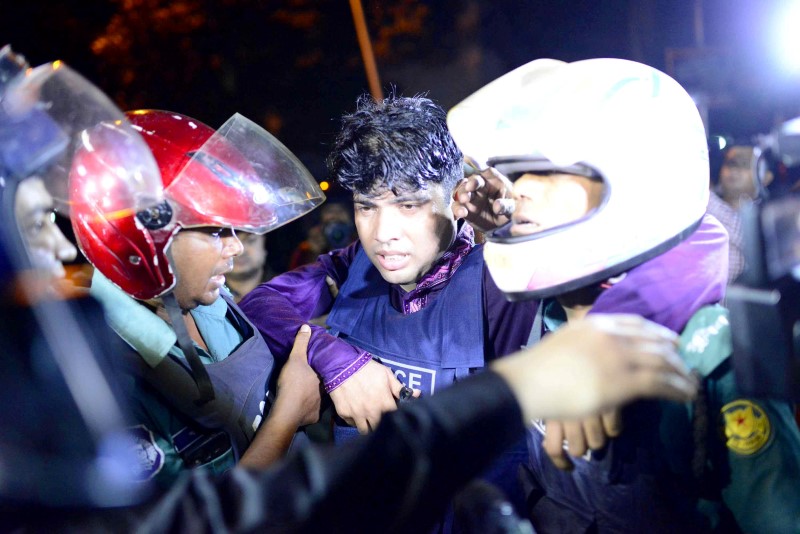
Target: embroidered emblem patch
150 455
747 427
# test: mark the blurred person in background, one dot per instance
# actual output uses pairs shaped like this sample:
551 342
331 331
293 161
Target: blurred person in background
36 213
335 230
250 268
741 179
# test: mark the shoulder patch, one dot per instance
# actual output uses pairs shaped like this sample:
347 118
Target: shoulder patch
747 427
149 454
706 339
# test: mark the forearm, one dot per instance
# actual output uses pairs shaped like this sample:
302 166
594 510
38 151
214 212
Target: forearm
272 440
279 307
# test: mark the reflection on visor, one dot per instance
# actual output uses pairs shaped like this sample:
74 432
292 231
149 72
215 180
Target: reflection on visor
227 175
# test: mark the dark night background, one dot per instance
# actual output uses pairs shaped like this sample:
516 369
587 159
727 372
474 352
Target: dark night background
294 66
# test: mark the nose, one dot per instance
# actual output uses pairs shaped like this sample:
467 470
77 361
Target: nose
232 246
62 248
387 225
66 250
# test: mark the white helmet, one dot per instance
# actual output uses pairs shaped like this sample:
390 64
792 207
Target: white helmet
624 123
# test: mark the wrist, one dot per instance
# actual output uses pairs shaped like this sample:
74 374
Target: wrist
363 359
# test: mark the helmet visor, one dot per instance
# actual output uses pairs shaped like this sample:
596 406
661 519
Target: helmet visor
244 178
548 198
58 118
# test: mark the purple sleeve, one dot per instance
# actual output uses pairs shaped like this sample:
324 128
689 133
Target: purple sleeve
508 323
279 307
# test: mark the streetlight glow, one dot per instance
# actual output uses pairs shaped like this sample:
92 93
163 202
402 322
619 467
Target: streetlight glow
787 37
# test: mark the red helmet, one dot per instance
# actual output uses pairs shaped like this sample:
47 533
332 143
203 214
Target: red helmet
237 177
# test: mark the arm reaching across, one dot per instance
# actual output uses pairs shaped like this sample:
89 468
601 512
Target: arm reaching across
596 364
297 404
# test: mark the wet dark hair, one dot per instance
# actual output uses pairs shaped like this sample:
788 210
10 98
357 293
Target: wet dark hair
399 144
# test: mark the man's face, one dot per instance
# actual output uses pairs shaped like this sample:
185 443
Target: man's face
33 209
403 235
547 201
253 258
331 213
201 257
736 174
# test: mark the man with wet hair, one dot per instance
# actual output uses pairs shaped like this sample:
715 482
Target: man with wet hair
416 308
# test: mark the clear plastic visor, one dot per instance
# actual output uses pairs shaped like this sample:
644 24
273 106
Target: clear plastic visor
56 114
257 183
546 198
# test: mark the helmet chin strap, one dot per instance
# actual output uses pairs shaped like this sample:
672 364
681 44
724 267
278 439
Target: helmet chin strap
201 378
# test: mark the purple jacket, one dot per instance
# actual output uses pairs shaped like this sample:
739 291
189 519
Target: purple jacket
670 288
280 306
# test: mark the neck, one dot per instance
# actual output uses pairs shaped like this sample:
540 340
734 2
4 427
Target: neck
736 200
246 276
242 286
157 305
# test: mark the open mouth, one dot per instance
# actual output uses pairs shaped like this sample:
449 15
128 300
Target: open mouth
219 279
392 261
523 226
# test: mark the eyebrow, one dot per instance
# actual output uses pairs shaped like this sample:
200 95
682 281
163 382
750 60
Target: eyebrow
363 200
419 196
39 209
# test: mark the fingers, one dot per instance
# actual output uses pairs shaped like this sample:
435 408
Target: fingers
373 418
669 386
474 199
463 196
594 433
475 183
646 343
463 193
382 399
362 425
580 436
612 423
554 445
349 420
300 347
504 207
332 287
471 166
650 359
576 440
632 325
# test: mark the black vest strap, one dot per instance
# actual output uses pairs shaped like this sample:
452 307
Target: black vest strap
198 370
